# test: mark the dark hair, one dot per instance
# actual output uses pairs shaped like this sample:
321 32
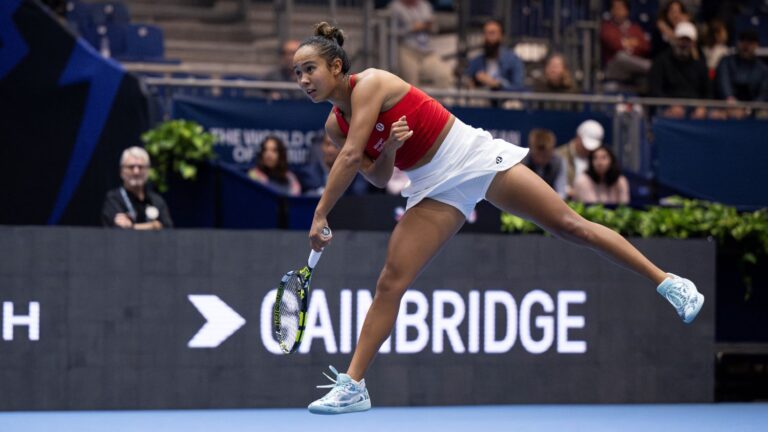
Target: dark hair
749 36
328 41
711 34
279 172
665 10
613 173
567 81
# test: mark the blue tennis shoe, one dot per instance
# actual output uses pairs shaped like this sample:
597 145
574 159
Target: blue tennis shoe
683 295
346 396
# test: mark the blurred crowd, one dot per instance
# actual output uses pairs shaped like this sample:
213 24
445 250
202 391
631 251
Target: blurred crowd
689 52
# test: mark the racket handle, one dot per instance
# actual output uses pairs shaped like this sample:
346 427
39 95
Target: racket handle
314 257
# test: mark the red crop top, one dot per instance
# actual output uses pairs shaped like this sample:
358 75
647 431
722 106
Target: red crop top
425 116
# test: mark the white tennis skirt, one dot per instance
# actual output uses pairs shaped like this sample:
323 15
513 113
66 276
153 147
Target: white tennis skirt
461 171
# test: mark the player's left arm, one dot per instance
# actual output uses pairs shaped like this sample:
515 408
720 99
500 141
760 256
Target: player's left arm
379 172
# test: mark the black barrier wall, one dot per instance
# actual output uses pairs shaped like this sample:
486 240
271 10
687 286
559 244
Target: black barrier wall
103 319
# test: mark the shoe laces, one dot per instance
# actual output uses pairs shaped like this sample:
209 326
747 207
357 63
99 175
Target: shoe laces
337 388
333 380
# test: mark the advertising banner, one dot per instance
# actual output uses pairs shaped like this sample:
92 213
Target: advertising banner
103 319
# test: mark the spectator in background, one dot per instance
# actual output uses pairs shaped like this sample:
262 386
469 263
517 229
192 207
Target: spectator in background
680 72
419 64
557 77
742 76
671 14
284 71
134 205
575 154
625 47
330 152
715 45
542 160
272 168
602 183
498 67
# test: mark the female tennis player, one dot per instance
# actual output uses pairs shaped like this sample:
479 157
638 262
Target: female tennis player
379 122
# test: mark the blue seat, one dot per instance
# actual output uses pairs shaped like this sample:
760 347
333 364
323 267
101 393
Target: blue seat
116 35
80 18
756 23
143 42
110 12
644 13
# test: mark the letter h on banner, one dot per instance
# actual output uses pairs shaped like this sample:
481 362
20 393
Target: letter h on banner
32 321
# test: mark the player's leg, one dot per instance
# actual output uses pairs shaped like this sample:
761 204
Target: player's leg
520 191
417 238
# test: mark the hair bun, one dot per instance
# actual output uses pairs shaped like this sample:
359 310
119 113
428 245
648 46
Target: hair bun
330 32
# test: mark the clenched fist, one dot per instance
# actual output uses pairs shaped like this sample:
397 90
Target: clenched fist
399 133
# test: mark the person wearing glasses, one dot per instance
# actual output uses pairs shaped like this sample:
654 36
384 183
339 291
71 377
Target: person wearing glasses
133 205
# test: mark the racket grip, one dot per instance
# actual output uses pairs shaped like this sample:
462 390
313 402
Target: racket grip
314 257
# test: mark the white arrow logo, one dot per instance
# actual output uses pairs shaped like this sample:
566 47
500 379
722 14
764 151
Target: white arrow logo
221 321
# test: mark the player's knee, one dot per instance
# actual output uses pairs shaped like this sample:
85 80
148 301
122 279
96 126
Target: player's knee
392 283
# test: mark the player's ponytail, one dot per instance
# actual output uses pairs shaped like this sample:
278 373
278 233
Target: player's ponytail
328 41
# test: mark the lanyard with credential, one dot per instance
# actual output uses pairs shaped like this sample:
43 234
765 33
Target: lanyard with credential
131 210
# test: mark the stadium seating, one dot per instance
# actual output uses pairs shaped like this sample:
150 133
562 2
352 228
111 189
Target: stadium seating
107 27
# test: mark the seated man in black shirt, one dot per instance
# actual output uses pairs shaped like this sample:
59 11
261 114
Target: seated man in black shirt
680 72
133 205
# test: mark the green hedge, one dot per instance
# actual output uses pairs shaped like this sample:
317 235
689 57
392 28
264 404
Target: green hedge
683 219
177 146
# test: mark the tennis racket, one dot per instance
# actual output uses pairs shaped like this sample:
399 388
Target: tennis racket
290 310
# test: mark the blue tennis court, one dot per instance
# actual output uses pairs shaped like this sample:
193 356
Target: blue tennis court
518 418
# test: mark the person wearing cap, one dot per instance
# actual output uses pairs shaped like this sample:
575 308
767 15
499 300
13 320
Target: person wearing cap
542 160
742 76
575 154
681 72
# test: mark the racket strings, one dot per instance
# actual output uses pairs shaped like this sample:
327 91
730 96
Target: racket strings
290 305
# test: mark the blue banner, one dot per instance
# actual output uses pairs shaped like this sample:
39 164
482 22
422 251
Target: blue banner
241 124
721 161
514 126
